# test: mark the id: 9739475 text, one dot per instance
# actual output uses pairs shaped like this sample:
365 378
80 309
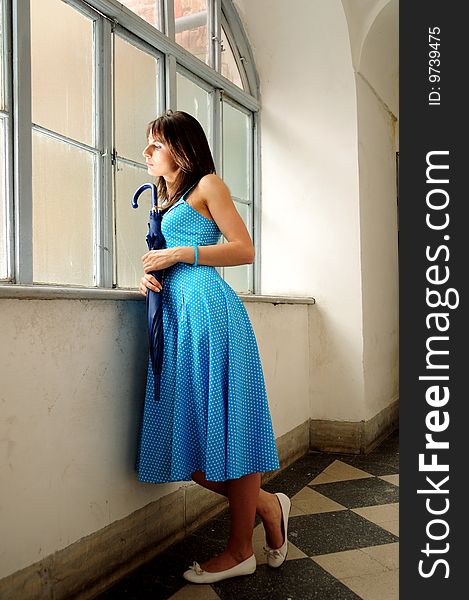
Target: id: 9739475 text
434 60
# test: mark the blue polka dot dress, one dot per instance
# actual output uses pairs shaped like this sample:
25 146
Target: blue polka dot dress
213 414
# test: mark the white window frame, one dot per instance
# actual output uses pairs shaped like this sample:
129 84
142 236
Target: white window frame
110 16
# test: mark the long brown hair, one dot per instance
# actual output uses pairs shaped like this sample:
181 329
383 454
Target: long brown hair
188 146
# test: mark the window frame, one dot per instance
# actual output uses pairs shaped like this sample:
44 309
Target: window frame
211 91
238 58
250 201
7 118
117 158
110 16
100 200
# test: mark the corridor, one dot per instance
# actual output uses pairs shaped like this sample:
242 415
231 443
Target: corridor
343 538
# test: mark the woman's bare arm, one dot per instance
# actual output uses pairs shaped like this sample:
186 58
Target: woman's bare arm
239 250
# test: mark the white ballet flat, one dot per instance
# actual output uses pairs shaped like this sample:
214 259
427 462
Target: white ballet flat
195 574
276 556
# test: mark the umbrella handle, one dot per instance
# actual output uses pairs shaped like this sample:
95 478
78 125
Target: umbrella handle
142 188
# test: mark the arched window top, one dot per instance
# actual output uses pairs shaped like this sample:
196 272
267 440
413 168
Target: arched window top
233 32
210 30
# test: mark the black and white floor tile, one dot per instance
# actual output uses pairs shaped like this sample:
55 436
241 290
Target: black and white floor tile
343 538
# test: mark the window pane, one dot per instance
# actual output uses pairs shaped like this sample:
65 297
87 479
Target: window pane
131 224
239 276
194 100
63 191
62 69
136 98
3 238
146 9
229 68
2 100
236 160
191 27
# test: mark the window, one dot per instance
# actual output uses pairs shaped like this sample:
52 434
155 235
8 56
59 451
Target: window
97 74
137 76
3 220
237 167
229 66
62 92
195 100
149 11
191 20
4 117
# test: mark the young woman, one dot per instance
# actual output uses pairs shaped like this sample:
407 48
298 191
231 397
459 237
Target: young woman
212 423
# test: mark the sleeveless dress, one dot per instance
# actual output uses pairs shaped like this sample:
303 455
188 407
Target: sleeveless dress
213 414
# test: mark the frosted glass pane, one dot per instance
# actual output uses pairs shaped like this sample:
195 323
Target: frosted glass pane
62 69
236 130
239 276
136 98
3 240
194 100
2 101
131 224
229 68
191 27
63 191
146 9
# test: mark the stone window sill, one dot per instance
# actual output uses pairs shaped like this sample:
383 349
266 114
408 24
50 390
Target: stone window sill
46 292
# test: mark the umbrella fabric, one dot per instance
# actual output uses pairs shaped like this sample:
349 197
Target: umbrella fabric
154 309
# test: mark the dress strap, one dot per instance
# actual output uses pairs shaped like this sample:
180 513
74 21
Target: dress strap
181 199
188 190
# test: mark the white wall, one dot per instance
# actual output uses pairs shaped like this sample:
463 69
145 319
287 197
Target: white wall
72 377
374 34
377 98
378 204
283 334
310 189
329 89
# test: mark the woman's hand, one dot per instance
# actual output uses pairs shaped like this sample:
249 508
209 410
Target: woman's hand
154 260
148 281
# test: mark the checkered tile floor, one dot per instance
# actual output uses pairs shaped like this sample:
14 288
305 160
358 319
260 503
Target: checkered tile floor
343 538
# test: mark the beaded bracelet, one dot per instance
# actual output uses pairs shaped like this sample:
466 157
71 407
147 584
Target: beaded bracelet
196 250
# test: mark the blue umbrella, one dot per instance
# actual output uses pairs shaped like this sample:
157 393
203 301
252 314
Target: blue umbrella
155 241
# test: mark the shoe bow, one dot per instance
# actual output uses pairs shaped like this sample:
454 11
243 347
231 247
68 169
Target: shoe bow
271 552
196 567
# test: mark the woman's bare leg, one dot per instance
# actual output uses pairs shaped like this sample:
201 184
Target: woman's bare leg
219 487
246 498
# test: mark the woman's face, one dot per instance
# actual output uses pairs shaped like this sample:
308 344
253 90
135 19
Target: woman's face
159 160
